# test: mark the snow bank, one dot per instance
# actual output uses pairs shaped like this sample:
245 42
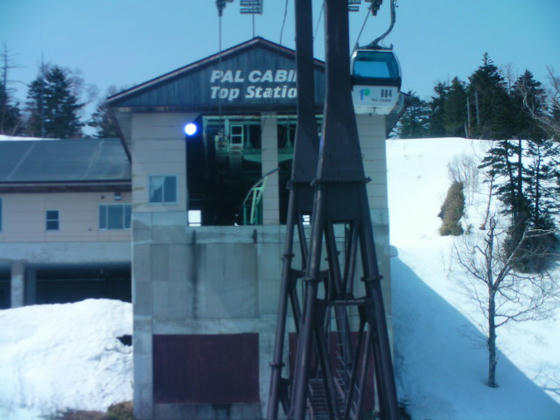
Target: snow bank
64 356
440 358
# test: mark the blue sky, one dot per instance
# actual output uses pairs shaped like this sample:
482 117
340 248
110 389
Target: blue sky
125 42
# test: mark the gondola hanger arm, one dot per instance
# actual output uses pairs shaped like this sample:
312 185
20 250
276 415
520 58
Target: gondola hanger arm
376 41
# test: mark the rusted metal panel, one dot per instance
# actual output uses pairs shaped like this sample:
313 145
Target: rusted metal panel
206 369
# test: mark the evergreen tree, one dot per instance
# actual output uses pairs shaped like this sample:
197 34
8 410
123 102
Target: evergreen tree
455 108
555 119
528 103
543 157
491 105
415 120
541 154
102 120
504 164
437 110
10 115
526 170
36 107
53 108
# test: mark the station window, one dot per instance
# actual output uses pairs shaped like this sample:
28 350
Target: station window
163 189
237 134
52 220
223 165
114 216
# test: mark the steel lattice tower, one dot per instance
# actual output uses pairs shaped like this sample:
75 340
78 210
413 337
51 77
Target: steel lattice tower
334 355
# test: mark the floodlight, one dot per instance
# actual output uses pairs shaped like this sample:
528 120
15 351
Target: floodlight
190 129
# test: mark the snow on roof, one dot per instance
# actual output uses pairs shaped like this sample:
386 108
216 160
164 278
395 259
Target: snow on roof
4 137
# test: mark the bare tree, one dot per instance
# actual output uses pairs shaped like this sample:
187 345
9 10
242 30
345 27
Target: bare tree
501 293
464 169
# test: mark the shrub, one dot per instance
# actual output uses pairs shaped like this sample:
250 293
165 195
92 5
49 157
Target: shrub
538 249
121 411
452 210
79 415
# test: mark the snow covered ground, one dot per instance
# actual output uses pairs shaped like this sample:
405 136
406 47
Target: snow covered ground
67 356
441 360
54 357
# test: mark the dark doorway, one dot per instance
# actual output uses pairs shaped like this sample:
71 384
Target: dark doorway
74 283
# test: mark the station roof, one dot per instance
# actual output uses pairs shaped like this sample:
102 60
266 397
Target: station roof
256 68
69 160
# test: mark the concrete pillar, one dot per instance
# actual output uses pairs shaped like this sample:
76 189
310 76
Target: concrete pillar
143 303
269 156
371 130
30 286
17 286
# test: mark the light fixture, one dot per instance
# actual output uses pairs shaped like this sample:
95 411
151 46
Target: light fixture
190 129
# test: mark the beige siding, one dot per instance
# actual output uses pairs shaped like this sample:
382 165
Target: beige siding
158 148
24 217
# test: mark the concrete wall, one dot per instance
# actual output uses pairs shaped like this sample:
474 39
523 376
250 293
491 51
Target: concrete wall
24 217
216 280
269 151
204 280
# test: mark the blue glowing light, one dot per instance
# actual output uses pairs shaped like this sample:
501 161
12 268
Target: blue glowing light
190 129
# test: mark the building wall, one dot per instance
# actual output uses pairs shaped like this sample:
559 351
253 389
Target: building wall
371 130
27 246
214 280
158 148
24 217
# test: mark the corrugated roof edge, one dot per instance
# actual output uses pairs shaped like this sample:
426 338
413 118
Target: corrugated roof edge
114 99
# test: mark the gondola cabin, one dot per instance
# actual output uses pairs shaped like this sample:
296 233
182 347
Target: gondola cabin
376 79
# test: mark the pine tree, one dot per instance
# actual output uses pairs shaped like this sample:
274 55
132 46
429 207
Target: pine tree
437 112
543 158
528 103
10 115
526 170
53 108
504 164
491 105
415 121
555 119
102 120
455 115
36 107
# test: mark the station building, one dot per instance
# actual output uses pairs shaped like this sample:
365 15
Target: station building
208 210
65 210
